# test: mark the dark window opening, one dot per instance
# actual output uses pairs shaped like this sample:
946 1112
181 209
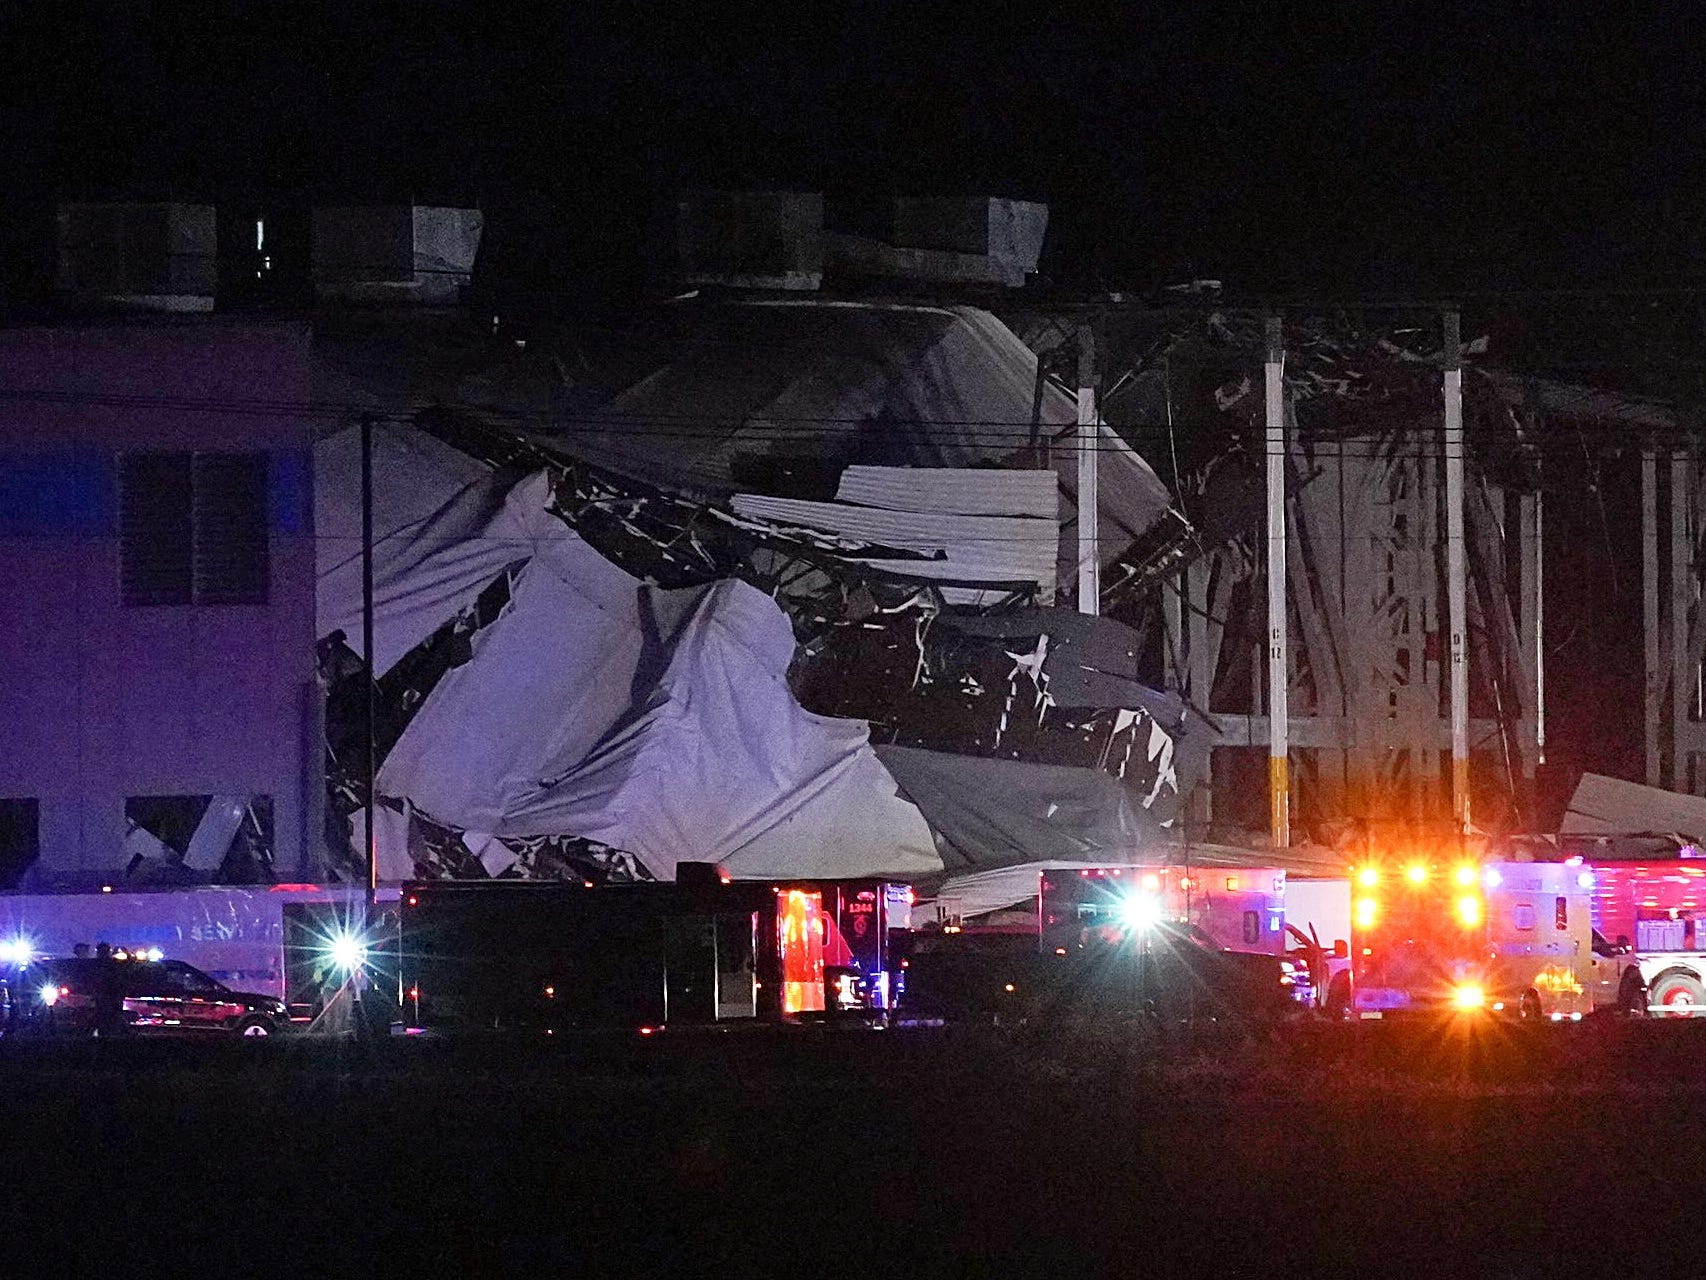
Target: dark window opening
156 529
20 839
193 528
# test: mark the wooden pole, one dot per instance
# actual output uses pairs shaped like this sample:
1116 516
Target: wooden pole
1456 603
1089 553
1529 636
1279 711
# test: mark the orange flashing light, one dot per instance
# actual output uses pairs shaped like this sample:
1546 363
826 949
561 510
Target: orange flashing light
1416 873
1369 877
1152 882
1467 876
1367 912
1469 911
800 935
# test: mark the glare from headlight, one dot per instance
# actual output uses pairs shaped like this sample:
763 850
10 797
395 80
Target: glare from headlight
1141 911
348 952
49 994
1468 996
16 951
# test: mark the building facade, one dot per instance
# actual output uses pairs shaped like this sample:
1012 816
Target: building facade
157 682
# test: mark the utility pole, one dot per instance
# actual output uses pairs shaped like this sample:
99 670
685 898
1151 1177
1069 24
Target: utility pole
1456 604
367 653
1089 553
1279 706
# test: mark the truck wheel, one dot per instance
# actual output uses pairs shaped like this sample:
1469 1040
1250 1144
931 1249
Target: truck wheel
1677 995
1529 1007
1339 998
1632 998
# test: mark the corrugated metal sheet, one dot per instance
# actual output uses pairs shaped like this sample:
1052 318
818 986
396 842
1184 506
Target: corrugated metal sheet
964 491
1565 400
970 548
941 387
1611 806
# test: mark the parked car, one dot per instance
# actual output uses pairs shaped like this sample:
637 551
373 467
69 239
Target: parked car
132 996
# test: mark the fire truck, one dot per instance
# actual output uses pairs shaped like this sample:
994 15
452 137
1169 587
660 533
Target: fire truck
1654 914
1501 937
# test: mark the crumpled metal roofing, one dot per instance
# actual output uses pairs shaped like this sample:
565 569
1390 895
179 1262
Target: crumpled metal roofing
1015 543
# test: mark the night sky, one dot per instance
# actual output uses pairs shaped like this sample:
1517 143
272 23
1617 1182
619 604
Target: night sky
1360 146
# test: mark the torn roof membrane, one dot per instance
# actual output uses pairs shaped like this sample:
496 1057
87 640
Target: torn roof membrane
637 689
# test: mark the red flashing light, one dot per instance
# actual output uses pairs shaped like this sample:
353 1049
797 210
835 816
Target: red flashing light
277 888
646 1031
414 901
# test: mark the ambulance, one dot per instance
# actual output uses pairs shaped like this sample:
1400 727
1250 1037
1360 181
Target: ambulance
1513 938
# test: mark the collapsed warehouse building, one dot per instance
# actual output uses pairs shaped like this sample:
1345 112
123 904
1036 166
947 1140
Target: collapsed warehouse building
787 603
897 481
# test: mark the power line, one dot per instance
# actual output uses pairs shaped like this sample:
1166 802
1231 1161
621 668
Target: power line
775 427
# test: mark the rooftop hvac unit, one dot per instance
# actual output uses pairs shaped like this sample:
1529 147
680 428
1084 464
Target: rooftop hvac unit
158 257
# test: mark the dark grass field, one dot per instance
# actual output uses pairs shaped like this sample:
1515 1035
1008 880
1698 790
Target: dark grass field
1323 1150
